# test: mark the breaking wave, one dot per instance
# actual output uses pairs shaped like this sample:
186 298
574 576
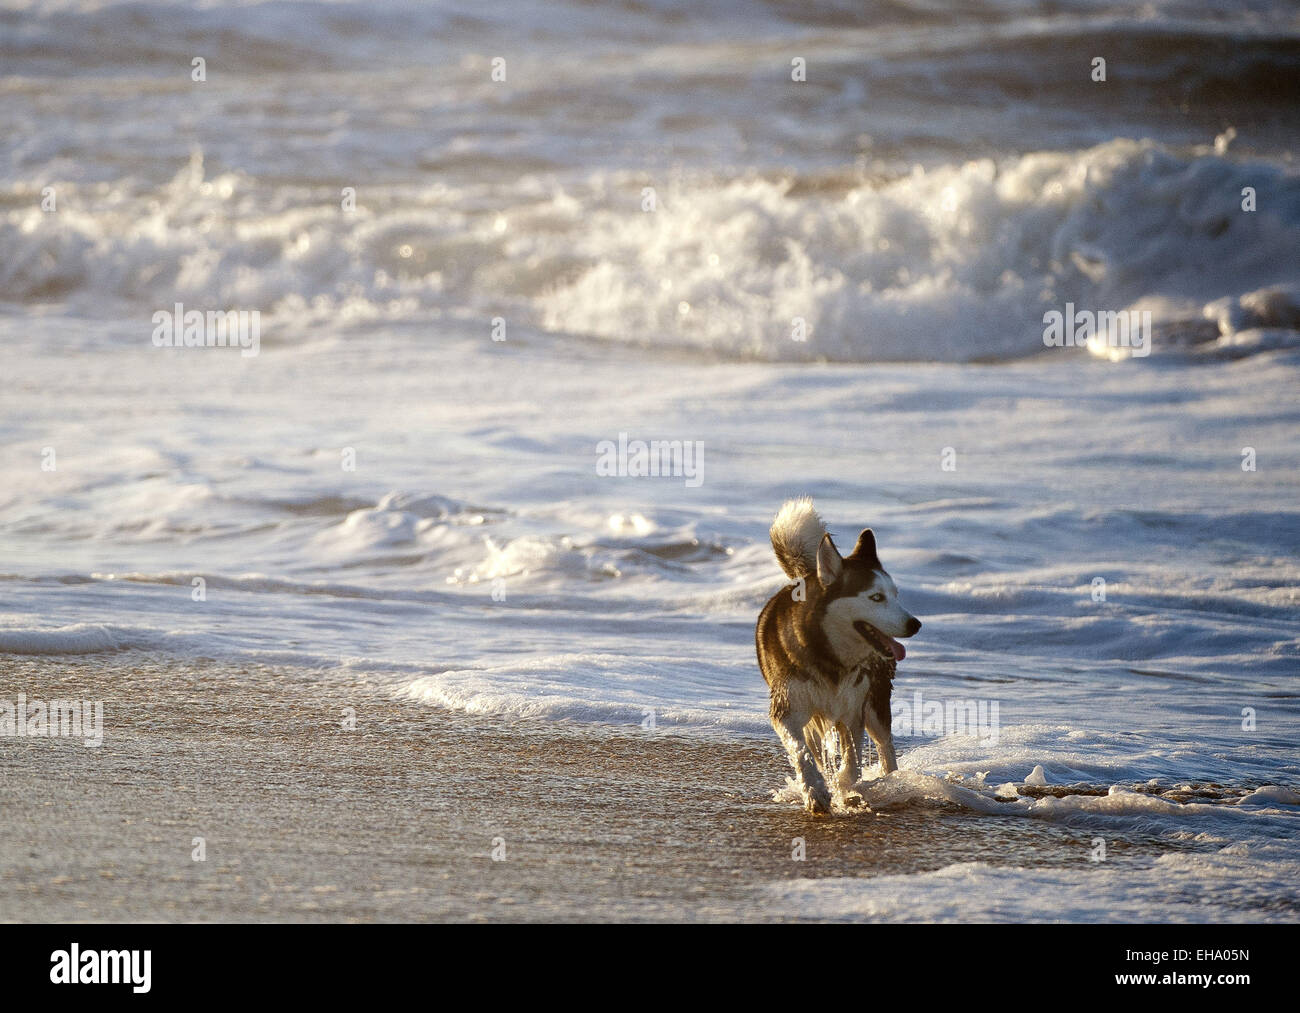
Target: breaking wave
954 263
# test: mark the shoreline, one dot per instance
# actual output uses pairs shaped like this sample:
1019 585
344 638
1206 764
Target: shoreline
397 820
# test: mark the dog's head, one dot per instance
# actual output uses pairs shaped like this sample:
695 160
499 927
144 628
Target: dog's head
862 601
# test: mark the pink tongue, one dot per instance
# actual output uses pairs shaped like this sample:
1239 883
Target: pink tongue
900 652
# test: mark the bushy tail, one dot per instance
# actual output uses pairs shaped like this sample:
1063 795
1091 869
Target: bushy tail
796 533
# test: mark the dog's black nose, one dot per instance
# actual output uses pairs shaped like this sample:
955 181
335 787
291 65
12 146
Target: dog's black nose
913 627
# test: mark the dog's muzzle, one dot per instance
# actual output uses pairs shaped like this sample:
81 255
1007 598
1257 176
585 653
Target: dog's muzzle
882 642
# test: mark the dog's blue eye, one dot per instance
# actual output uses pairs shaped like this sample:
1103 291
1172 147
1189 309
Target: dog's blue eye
877 597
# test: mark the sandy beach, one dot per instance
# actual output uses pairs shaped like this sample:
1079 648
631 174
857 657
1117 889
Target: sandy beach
396 820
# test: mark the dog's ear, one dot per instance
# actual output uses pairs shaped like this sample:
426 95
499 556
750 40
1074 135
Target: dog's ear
865 550
829 563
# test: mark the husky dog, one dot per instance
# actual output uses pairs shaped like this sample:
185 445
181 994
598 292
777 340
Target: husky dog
826 648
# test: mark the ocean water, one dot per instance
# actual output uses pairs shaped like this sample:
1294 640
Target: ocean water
467 285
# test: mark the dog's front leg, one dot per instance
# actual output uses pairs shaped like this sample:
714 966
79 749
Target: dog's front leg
789 727
876 716
851 759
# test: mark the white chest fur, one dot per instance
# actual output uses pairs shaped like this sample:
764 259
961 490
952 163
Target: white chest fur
840 704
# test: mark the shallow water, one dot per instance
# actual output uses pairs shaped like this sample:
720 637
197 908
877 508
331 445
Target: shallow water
416 814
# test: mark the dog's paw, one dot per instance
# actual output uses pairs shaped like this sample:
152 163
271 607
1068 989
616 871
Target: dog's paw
853 801
818 802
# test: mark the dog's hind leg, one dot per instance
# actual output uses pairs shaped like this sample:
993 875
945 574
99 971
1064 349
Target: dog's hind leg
814 739
789 727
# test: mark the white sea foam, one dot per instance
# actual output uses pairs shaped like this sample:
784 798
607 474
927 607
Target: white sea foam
1225 886
78 638
956 263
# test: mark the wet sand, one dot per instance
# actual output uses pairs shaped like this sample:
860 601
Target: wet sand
396 820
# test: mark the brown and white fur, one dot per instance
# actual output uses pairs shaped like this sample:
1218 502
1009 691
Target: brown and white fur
826 648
